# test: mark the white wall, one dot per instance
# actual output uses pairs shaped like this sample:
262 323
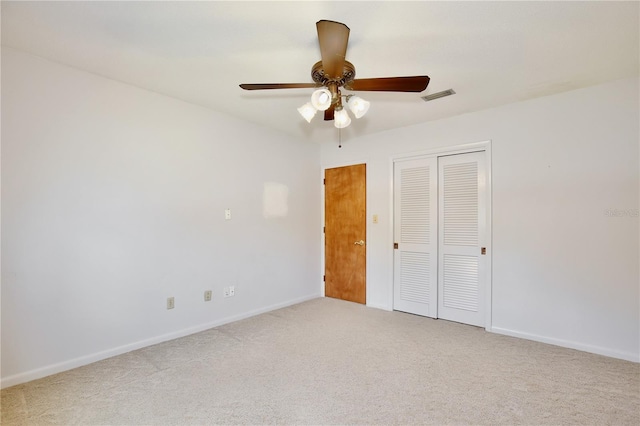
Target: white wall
113 199
564 272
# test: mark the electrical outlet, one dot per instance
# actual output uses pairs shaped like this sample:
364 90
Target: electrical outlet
226 292
232 290
207 296
170 303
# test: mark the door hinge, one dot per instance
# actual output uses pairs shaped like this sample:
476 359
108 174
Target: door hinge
483 250
395 246
324 278
324 181
324 229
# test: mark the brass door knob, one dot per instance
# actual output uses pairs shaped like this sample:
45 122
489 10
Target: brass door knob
360 243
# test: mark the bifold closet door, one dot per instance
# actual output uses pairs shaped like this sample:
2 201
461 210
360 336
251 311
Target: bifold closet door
415 278
461 235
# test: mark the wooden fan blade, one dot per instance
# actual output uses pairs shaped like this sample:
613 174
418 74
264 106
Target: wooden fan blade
278 86
333 38
390 84
328 113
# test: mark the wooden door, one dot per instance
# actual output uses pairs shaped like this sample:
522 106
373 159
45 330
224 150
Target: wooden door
345 233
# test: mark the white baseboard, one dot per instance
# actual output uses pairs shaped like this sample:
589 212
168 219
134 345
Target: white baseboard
379 306
627 356
39 373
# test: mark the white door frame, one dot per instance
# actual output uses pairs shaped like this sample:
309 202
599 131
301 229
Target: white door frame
484 146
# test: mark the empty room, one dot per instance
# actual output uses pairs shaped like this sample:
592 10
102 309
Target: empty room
298 212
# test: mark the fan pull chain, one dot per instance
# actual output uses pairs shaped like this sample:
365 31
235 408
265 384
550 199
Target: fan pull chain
339 138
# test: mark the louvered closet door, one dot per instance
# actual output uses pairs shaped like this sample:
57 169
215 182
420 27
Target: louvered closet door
415 287
462 206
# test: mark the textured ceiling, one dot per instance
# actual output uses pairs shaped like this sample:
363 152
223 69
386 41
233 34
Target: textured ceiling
490 53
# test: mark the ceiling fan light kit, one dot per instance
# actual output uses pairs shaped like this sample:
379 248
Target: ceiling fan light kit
334 72
307 111
357 105
341 119
321 99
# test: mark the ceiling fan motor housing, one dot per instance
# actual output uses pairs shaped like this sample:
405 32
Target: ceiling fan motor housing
319 76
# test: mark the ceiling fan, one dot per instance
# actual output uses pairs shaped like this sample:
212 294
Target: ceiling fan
334 72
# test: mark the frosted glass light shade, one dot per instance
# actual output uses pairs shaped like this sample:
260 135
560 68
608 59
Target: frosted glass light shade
358 106
307 111
341 119
321 99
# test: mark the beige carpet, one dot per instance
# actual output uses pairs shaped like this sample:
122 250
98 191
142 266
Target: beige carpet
332 362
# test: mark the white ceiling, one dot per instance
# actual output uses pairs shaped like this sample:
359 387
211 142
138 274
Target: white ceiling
490 53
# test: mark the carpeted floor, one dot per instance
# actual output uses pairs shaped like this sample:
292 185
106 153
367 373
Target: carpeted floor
332 362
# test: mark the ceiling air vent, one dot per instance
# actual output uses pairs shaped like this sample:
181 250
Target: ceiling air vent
438 95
